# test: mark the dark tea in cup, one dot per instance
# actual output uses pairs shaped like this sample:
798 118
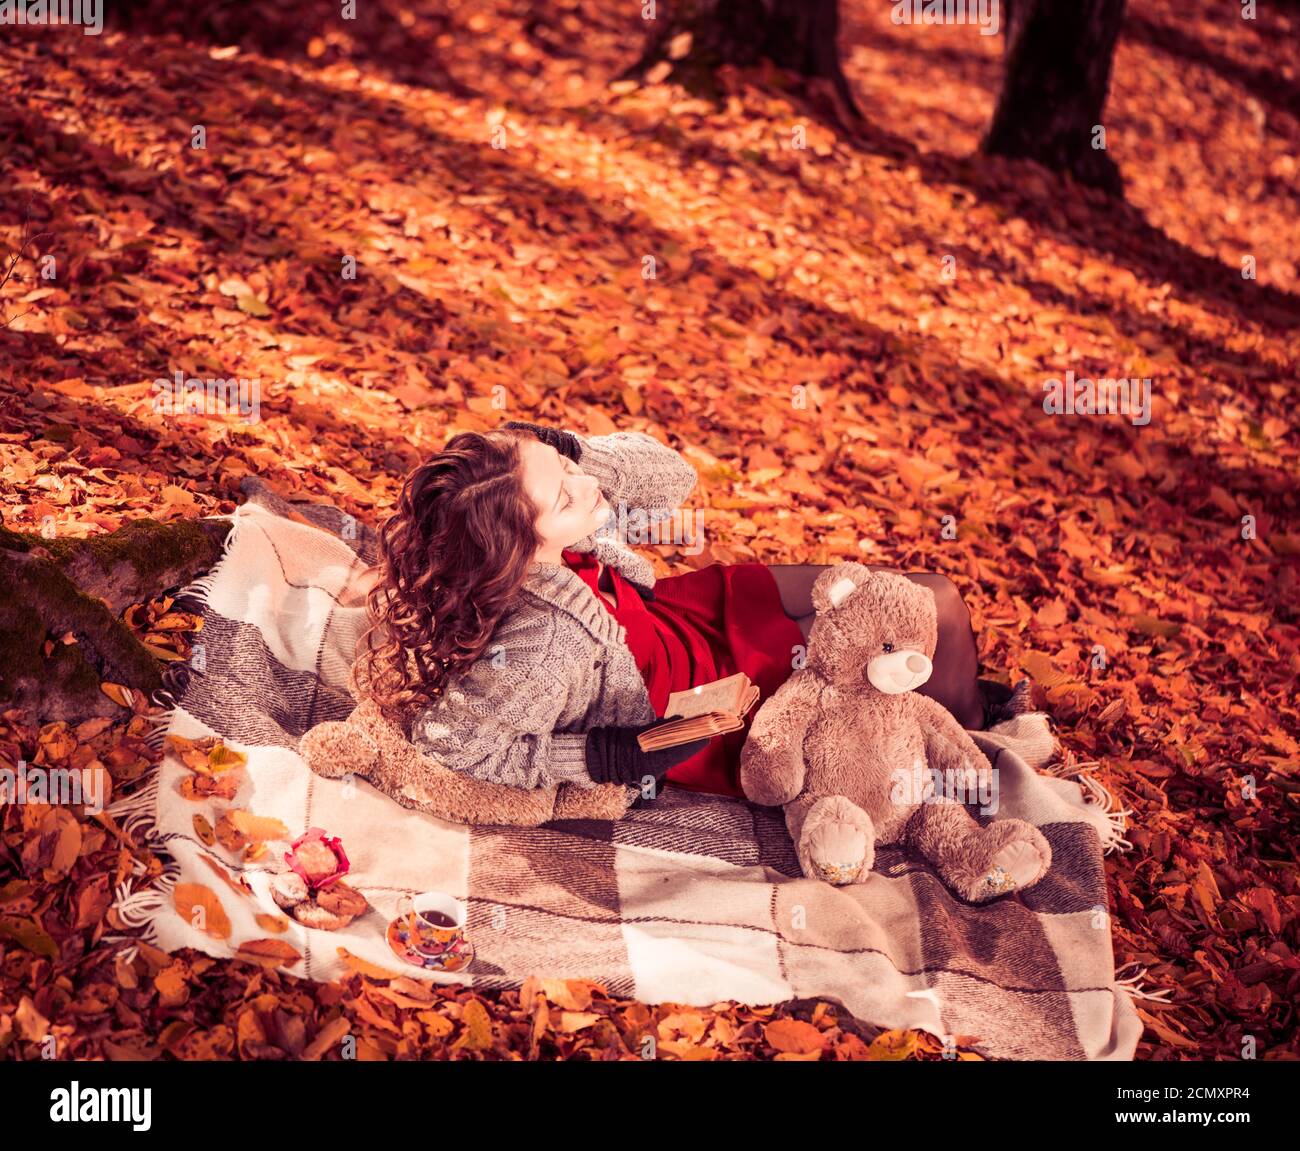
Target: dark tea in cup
437 918
433 927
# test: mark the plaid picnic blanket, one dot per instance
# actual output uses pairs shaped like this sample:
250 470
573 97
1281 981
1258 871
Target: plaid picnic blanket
691 899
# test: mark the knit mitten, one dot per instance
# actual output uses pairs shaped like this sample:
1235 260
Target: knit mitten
614 756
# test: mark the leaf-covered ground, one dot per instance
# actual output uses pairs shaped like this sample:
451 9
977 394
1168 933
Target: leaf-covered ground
849 339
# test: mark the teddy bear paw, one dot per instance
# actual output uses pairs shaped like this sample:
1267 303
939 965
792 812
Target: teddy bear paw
999 882
338 748
836 852
838 874
1017 865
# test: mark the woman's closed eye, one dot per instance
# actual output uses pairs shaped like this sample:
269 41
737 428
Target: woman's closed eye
572 469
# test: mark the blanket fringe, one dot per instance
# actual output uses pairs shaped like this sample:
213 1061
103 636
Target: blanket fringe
1095 794
137 911
1133 985
158 723
135 906
197 592
135 811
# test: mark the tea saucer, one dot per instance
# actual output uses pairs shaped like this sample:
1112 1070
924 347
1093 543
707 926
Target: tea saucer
454 958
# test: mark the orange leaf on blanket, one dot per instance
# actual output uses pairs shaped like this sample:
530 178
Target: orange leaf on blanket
277 923
208 755
191 752
203 829
228 835
926 1044
268 952
240 888
202 787
257 827
223 758
201 909
364 967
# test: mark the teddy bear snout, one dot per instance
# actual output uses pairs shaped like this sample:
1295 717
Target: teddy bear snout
899 671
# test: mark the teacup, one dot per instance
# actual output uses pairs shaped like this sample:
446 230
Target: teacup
433 925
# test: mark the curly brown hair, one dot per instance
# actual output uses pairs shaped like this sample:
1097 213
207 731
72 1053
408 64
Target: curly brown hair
453 557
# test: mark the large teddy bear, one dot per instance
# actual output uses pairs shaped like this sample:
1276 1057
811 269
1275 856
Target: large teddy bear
366 744
846 745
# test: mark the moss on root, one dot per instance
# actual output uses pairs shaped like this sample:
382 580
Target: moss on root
56 587
140 559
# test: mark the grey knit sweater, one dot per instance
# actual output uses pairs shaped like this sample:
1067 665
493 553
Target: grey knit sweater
558 663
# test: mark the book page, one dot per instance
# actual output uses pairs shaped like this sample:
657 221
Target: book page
677 731
721 695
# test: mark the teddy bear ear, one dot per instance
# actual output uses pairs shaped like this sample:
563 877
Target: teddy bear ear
837 583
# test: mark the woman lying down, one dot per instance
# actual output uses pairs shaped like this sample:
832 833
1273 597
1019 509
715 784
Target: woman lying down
518 640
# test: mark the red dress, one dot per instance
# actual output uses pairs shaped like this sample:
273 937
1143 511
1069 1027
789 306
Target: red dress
698 627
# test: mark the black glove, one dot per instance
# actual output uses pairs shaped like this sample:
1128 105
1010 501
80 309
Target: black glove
566 443
614 756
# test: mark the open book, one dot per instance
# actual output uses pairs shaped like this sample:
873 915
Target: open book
699 712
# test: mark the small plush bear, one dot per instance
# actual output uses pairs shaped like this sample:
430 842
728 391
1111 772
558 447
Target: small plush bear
366 744
847 745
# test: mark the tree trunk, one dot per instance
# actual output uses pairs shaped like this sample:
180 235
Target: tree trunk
79 588
1057 72
690 39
